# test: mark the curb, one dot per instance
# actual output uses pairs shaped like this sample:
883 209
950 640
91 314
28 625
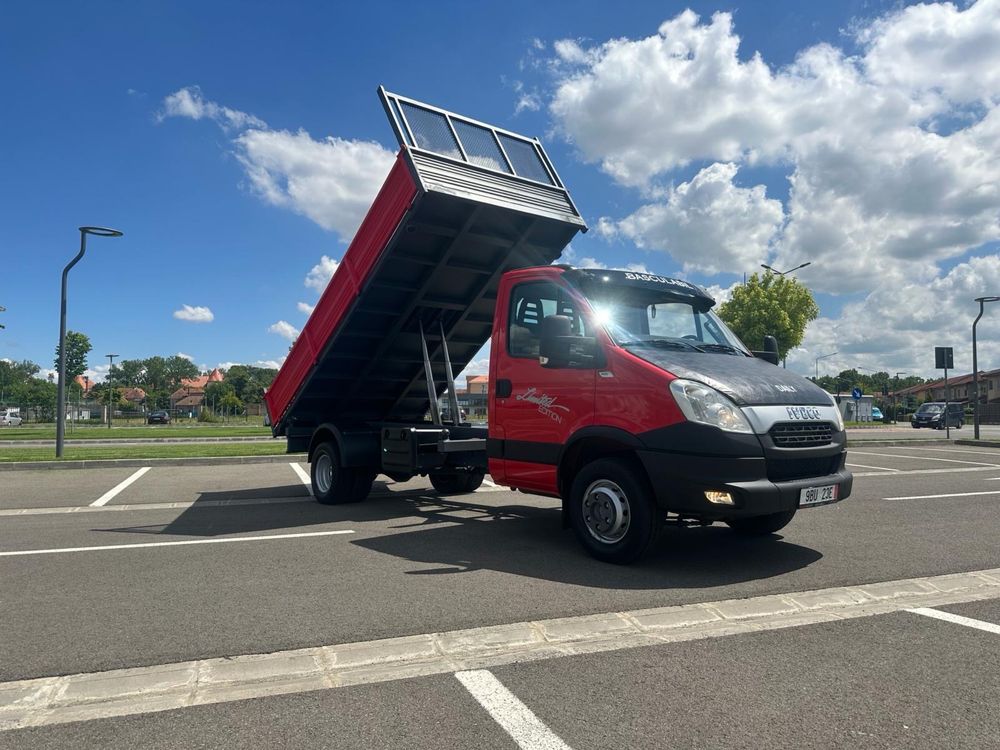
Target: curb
981 443
108 463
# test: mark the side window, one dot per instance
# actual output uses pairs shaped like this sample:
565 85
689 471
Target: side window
529 304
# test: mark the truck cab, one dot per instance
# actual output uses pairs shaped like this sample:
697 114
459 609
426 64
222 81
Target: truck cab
626 396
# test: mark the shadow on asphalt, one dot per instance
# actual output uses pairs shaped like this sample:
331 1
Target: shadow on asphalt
458 535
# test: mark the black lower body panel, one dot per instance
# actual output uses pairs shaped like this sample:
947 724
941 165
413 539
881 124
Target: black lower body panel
757 485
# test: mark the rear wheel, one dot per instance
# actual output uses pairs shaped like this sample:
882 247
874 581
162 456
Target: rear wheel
761 525
332 484
612 510
454 484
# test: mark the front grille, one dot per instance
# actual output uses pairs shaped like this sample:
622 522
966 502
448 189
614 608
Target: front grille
802 434
785 469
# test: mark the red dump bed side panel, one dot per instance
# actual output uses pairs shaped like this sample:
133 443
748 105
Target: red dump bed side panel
373 235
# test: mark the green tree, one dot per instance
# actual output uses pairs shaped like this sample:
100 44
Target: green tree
177 368
77 348
130 372
770 305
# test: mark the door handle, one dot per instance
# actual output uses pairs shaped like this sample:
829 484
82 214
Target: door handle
504 388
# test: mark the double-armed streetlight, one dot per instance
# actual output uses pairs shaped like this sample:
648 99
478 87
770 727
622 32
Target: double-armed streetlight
975 365
822 356
61 401
785 273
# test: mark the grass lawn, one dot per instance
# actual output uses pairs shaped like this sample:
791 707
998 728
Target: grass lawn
86 452
48 432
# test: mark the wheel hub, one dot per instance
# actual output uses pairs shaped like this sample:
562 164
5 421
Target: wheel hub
606 511
324 473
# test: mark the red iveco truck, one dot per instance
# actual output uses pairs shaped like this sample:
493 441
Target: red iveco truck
622 394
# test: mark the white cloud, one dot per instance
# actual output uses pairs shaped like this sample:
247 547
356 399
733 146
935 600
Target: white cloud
331 181
189 102
708 224
893 154
284 329
306 308
188 357
195 314
897 326
320 274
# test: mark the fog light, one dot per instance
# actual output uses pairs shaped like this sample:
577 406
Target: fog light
719 498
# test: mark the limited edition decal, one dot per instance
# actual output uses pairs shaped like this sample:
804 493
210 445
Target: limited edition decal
546 404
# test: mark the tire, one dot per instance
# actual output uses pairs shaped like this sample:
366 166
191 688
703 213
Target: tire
612 510
761 525
331 483
456 484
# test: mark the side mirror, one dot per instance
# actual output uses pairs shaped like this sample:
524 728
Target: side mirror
770 353
558 347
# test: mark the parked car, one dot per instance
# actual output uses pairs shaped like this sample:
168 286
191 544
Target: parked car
10 418
158 417
932 414
876 414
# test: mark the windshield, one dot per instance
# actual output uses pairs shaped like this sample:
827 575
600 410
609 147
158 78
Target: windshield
677 325
930 409
642 311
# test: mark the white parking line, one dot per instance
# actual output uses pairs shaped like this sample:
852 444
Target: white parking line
926 458
929 497
952 450
304 476
879 468
517 720
937 614
105 547
488 481
908 472
110 494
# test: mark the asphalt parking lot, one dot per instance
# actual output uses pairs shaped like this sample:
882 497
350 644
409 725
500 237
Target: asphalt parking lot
108 569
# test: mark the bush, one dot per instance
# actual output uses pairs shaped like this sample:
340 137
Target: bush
207 416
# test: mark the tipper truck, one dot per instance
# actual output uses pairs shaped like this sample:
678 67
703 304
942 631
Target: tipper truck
621 394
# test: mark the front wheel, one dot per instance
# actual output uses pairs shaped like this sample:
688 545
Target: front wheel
761 525
613 511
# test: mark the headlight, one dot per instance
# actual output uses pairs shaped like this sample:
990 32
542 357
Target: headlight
838 420
701 403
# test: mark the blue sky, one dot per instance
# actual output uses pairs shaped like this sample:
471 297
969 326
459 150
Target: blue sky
90 137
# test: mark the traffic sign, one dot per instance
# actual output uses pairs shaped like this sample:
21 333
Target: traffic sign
944 358
856 394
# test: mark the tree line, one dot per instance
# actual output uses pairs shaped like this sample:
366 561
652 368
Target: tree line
157 376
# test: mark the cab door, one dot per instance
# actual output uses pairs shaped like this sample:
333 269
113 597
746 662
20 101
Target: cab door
535 409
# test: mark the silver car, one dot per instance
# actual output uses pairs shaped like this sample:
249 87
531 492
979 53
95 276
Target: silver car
9 418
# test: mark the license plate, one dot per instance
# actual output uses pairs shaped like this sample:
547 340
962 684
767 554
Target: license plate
816 495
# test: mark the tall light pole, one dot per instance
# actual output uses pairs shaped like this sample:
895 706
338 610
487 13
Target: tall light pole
110 389
785 273
822 356
975 365
895 393
61 400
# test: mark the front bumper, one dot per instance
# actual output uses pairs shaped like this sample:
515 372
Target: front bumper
681 480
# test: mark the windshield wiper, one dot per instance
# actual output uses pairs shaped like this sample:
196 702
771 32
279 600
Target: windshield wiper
665 343
719 348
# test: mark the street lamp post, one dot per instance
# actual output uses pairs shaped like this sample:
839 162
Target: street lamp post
785 273
895 393
822 356
61 399
111 389
975 365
